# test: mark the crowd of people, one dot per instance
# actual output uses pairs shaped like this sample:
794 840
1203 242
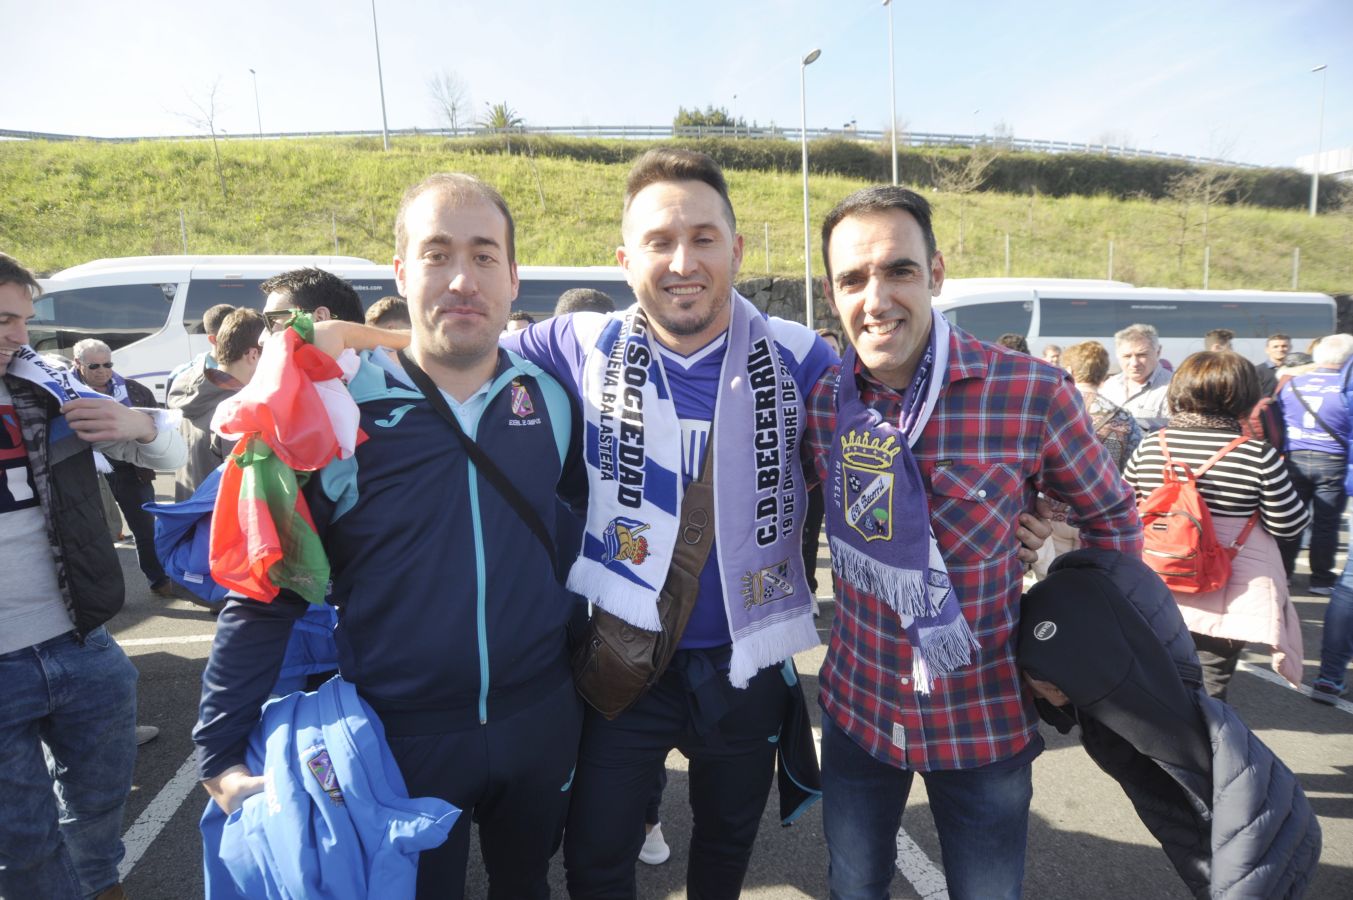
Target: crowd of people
1291 476
523 490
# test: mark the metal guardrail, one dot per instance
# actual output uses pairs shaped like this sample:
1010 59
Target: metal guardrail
658 132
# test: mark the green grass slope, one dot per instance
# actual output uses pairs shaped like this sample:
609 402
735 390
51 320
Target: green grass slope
66 203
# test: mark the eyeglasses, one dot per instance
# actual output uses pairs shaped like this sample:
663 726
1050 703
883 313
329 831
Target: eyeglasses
279 318
107 365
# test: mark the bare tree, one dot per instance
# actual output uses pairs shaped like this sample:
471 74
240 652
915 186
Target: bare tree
206 109
1203 188
450 98
962 177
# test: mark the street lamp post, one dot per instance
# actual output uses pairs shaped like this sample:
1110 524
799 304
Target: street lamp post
1319 138
892 89
257 112
380 78
803 139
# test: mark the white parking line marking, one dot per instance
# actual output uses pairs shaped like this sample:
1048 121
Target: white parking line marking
161 641
1270 675
916 867
925 878
154 817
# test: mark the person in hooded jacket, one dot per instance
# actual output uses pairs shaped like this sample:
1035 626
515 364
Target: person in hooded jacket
200 389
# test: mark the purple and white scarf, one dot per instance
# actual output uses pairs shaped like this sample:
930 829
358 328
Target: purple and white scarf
633 454
878 518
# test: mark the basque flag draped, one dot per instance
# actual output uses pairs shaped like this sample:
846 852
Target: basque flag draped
293 418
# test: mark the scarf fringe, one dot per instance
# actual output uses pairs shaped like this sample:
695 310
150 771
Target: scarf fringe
771 644
904 590
632 603
940 651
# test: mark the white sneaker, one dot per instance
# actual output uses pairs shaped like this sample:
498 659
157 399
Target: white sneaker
655 850
145 734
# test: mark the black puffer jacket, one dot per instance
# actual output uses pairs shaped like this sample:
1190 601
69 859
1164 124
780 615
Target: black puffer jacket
87 568
1228 813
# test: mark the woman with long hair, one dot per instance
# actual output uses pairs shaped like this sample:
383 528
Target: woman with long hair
1209 394
1088 365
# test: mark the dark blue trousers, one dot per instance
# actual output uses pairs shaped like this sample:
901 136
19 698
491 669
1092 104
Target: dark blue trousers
727 734
512 777
131 493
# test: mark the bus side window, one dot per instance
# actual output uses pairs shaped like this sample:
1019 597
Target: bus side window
988 321
115 314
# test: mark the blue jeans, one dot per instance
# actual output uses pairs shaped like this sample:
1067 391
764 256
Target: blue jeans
67 717
981 815
1319 480
1336 643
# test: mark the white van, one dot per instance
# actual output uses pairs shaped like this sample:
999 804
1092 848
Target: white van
1068 311
148 309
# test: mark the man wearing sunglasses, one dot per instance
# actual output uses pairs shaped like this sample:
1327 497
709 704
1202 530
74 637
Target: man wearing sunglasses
132 486
322 294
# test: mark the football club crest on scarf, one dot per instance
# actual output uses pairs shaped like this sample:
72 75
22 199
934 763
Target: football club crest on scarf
623 541
866 463
521 401
768 585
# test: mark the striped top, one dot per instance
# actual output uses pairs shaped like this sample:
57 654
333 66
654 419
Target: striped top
1252 476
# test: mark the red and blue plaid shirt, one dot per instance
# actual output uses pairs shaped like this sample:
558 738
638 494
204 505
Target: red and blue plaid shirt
1006 427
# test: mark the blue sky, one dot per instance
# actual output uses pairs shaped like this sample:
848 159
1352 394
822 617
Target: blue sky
1202 78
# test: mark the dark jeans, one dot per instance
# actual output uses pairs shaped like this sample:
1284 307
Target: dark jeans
1319 480
1336 643
131 492
511 777
726 733
653 812
981 815
1218 657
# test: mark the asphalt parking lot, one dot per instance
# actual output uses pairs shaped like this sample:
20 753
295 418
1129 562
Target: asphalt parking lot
1085 840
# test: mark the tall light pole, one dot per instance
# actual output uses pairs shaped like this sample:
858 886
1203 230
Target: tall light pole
803 139
892 89
1319 138
257 112
380 79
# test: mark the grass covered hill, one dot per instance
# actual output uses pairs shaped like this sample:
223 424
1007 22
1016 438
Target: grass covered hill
67 203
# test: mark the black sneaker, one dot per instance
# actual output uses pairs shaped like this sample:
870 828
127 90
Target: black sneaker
1326 693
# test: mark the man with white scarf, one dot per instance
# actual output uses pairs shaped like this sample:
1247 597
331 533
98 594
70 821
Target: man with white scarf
694 362
68 709
929 451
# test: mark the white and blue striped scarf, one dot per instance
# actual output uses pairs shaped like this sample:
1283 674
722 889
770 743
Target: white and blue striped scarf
633 454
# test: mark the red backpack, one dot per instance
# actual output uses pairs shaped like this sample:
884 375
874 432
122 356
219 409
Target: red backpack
1180 544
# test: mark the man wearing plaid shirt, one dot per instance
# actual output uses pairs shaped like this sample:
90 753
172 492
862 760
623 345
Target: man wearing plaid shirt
1001 427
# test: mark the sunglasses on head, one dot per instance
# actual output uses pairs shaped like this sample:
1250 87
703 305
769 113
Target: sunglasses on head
107 365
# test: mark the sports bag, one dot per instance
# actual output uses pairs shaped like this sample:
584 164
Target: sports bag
1179 543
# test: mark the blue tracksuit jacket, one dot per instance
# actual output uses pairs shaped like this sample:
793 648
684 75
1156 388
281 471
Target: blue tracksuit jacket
448 610
334 820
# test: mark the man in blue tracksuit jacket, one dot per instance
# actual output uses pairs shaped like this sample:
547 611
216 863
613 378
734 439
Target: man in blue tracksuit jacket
452 624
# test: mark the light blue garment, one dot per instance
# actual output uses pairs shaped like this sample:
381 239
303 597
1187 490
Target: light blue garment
334 820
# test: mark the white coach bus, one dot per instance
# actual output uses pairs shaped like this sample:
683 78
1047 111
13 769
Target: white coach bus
1068 311
148 309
